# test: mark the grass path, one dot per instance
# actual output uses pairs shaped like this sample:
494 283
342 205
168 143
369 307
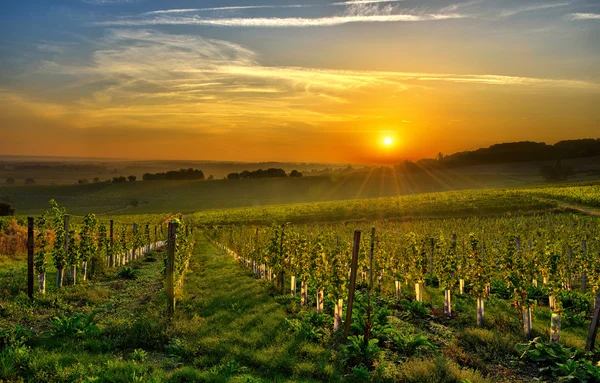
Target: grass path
585 209
235 327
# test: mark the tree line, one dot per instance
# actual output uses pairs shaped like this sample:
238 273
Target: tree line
524 151
260 173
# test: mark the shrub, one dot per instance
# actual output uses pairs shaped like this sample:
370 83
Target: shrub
75 326
127 273
437 370
486 344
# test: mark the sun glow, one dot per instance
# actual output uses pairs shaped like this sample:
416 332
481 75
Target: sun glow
387 141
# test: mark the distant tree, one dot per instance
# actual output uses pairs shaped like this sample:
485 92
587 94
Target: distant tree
96 180
233 176
118 180
29 181
260 173
131 178
10 181
295 173
181 174
210 177
558 172
7 209
83 181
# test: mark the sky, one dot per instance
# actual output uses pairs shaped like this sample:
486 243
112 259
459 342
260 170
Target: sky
294 80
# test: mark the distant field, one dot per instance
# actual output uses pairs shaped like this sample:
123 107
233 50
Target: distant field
192 196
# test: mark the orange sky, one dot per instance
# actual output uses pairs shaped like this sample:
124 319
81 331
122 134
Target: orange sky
327 84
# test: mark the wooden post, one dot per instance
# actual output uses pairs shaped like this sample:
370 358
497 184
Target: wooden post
30 244
61 272
147 238
589 345
370 290
583 273
133 250
171 268
112 244
352 287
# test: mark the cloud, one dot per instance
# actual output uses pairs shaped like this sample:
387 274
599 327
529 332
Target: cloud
279 6
151 79
537 7
232 8
584 16
276 22
353 2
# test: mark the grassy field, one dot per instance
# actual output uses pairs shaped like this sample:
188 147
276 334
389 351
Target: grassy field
230 327
192 196
227 328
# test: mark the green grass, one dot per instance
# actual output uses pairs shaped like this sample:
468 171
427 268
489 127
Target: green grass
226 328
229 327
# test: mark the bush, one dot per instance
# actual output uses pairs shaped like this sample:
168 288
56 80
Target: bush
127 273
437 370
574 302
76 326
489 346
7 209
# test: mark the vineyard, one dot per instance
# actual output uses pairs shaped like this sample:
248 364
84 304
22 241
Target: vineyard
547 262
473 286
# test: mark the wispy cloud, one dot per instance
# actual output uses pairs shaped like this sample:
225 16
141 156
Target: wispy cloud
277 22
584 16
351 2
277 6
457 6
231 8
531 8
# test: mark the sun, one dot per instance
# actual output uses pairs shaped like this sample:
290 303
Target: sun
387 141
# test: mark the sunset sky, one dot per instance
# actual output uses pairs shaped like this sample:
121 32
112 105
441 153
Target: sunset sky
306 80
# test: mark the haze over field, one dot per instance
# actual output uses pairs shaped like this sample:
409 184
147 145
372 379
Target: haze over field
302 81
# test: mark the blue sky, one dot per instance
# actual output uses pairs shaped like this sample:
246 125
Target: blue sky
295 80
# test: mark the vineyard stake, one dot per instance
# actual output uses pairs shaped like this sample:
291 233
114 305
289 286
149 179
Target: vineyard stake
61 272
589 345
30 257
147 238
352 286
133 252
370 290
112 244
171 268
